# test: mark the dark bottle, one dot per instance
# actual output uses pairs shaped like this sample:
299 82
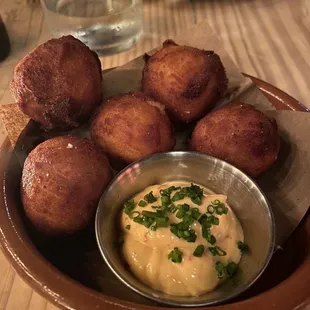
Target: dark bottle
4 41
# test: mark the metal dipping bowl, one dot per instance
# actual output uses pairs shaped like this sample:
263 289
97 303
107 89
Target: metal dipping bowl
244 196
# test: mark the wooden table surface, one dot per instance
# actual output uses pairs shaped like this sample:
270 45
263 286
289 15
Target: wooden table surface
269 39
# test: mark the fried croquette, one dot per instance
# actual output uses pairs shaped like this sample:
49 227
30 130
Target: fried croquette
240 135
188 81
132 126
62 181
58 84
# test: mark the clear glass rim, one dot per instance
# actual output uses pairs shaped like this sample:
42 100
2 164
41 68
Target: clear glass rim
132 3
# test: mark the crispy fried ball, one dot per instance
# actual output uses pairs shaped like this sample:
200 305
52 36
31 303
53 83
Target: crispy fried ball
132 126
240 135
62 181
59 83
188 81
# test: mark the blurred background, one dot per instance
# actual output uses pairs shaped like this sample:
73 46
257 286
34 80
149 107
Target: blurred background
258 34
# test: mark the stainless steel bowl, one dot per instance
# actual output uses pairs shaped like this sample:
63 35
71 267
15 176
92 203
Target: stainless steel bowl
244 196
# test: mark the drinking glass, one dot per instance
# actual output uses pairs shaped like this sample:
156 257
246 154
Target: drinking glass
106 26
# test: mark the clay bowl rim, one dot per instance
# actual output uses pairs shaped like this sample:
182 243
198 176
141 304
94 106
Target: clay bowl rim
64 295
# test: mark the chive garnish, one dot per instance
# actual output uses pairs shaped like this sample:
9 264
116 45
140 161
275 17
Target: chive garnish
162 221
142 203
148 221
244 248
165 200
195 213
196 201
215 202
182 230
192 236
154 215
129 206
138 219
217 251
206 233
182 210
178 196
214 220
202 218
221 209
169 190
173 208
231 268
199 251
195 193
175 256
128 227
221 270
225 272
150 197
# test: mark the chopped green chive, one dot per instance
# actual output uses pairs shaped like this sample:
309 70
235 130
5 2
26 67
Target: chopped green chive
221 270
225 272
199 251
173 208
175 256
182 210
129 206
221 209
195 193
128 227
150 197
138 219
207 235
225 211
162 222
142 203
182 230
154 215
153 228
202 218
147 221
165 192
191 237
244 248
215 220
206 223
196 200
215 202
217 251
231 268
178 196
169 190
165 200
195 213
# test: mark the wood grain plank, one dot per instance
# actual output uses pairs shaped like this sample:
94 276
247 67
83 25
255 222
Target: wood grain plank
20 295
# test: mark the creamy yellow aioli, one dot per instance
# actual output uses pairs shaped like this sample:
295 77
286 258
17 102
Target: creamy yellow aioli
146 251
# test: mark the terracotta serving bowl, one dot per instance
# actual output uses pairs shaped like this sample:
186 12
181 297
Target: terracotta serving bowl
71 274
